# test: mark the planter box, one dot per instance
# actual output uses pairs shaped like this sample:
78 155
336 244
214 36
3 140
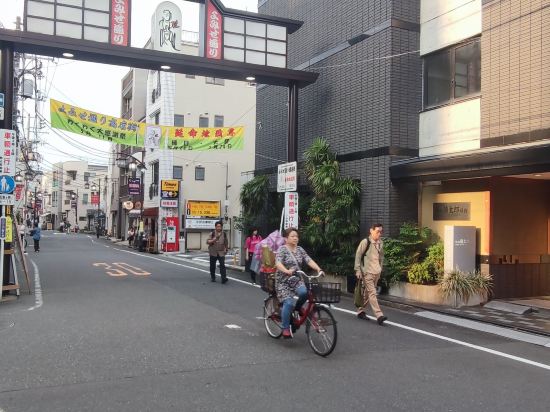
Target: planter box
429 294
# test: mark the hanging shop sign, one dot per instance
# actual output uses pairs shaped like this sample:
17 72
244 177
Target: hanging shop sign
169 203
8 152
134 186
203 208
214 31
95 198
128 205
123 131
169 189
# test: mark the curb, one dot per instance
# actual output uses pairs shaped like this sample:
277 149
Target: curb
412 307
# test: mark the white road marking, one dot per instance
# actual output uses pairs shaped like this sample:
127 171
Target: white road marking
484 327
398 325
456 341
232 326
37 288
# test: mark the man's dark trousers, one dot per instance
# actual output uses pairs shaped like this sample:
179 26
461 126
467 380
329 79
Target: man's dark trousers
213 260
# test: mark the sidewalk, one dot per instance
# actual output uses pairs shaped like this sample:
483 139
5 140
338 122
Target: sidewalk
536 322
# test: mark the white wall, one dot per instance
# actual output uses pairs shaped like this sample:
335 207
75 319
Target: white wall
449 129
447 22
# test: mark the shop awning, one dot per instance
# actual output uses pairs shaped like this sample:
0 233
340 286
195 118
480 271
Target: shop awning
502 161
151 212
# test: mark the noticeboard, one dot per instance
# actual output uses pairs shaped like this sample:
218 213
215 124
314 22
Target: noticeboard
203 208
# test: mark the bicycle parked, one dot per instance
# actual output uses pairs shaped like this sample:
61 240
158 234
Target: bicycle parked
320 324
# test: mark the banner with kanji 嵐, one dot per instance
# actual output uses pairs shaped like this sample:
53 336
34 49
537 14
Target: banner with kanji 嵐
74 119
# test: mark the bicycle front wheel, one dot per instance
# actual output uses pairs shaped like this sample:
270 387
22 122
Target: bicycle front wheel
321 331
272 318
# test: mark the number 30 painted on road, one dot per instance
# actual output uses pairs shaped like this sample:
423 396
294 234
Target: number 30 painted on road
117 272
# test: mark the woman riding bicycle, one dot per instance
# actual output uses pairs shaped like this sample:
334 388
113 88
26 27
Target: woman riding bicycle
290 258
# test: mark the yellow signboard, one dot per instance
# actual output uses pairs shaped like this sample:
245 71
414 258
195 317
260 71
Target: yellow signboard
203 208
9 230
170 185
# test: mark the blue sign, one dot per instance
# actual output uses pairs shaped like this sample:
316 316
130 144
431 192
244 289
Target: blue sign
1 99
7 184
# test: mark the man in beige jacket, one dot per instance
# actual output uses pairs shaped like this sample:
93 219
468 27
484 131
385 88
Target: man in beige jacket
369 259
217 248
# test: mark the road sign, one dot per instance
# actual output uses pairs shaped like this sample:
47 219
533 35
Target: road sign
287 177
7 184
7 200
291 210
8 154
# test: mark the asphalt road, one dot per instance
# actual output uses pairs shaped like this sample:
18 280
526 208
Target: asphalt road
153 336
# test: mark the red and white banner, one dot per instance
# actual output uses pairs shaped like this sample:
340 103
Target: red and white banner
95 198
214 32
120 22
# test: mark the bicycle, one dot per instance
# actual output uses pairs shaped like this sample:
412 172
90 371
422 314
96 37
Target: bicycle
321 330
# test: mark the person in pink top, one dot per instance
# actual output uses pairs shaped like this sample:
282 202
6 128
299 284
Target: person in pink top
250 244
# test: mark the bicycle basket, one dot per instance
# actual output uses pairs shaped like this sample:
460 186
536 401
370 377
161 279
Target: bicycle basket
326 292
267 282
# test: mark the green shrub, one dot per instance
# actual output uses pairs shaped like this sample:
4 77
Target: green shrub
419 274
463 285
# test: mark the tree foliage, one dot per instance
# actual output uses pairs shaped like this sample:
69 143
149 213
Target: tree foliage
331 229
254 201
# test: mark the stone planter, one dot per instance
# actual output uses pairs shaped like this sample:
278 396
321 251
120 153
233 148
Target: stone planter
335 279
429 294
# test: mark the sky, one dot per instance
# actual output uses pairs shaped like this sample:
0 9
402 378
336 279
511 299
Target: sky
96 87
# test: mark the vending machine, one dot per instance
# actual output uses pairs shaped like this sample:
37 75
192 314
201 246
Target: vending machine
171 235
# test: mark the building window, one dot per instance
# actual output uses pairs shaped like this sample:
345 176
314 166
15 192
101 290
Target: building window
86 176
68 195
203 121
71 174
218 121
177 172
85 199
155 173
452 74
179 120
199 173
215 80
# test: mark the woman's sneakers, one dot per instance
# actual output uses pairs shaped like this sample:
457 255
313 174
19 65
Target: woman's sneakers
287 334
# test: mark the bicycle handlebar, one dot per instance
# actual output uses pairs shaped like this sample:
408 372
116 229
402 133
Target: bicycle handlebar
303 274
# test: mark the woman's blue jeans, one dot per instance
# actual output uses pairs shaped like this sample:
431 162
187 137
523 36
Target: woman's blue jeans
288 305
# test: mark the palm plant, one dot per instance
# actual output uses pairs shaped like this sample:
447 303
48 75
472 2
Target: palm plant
332 226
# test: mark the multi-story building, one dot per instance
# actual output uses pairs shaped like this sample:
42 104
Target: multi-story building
365 102
213 175
134 86
79 194
484 141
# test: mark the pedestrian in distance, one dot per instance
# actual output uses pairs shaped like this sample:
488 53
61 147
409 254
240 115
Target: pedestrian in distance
217 249
36 235
369 259
250 244
22 232
290 258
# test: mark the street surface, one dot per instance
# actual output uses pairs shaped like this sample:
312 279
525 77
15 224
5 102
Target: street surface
111 329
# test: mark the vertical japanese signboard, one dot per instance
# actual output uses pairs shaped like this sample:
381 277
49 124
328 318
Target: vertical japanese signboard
291 210
8 152
134 186
287 177
95 198
120 18
214 32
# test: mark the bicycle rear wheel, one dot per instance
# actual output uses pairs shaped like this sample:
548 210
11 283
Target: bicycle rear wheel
321 331
272 318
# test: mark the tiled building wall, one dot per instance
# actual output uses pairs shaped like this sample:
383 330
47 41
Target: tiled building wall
515 79
362 101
